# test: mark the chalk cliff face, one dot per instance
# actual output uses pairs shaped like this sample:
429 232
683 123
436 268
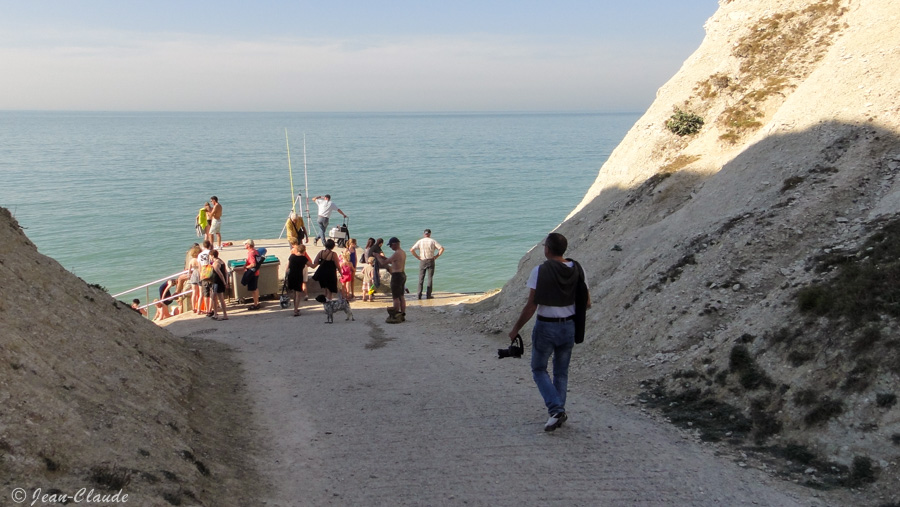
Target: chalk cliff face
744 276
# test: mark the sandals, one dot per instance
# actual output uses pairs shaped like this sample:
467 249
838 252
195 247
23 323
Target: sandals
253 307
296 313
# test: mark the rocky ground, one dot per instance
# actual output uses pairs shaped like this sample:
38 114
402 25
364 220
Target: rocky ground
424 413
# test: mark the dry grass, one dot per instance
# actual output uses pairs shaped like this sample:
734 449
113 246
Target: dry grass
775 53
679 163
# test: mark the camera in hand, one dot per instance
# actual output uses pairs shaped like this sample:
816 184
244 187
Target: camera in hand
515 349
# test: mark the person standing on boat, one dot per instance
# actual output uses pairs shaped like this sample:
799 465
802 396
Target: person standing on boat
203 221
253 277
378 254
296 229
219 286
326 207
295 277
396 264
204 259
327 268
215 226
429 250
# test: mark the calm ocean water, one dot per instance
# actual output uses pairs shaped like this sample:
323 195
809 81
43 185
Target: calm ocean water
113 196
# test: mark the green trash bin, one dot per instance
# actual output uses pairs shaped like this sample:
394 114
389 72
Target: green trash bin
268 278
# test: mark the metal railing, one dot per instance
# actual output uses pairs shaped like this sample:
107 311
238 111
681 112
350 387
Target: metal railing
153 283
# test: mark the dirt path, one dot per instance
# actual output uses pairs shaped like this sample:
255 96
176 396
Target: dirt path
368 413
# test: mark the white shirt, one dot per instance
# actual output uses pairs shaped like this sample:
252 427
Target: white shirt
326 206
551 311
427 248
203 257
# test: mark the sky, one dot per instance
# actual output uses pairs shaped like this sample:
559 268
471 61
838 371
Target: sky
335 55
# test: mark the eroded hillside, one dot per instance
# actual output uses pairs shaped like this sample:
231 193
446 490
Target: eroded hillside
95 397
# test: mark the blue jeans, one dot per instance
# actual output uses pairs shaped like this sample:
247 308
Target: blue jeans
556 339
323 227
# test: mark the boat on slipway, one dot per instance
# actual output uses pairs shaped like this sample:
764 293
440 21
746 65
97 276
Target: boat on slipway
277 252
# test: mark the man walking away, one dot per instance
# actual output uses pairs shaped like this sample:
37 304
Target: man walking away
326 207
428 251
554 288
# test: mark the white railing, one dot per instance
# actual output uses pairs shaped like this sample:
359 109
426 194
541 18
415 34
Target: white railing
150 284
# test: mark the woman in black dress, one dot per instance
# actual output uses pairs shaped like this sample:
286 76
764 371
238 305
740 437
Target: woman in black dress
296 262
326 275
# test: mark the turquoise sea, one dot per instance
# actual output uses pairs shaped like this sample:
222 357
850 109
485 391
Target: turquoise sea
113 196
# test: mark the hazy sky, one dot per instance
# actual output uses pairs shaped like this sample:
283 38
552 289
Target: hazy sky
333 55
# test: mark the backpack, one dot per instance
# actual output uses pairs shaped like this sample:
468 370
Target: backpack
258 259
207 272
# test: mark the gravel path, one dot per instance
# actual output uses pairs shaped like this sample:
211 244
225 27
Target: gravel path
368 413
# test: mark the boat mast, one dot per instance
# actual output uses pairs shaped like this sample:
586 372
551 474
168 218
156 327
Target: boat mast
306 184
291 171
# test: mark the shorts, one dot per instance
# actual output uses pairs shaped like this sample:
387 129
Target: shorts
195 277
219 288
252 283
206 286
215 226
305 274
398 285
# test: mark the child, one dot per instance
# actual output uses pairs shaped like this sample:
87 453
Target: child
346 275
368 274
351 248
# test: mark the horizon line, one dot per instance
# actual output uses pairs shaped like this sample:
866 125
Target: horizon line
396 112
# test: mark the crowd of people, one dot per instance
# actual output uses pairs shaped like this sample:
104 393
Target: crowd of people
205 278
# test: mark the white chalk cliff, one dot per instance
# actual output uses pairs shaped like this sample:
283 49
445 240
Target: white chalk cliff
701 248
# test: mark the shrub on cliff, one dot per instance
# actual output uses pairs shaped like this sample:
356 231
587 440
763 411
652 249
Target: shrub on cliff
682 123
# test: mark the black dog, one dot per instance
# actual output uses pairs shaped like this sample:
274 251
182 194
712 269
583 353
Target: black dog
335 305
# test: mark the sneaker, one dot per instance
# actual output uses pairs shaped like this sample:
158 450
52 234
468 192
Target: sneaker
555 421
393 319
402 316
